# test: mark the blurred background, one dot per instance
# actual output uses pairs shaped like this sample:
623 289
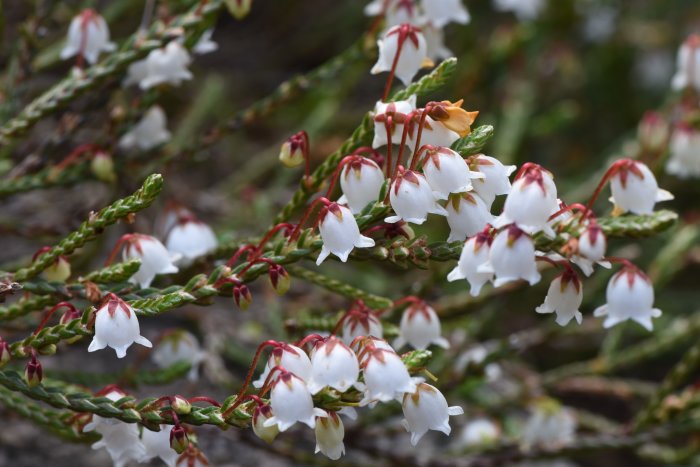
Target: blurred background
566 88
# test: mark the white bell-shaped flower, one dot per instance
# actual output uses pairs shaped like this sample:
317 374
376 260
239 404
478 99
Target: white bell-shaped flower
367 344
386 376
512 257
495 181
291 402
261 414
480 432
467 215
333 364
434 133
475 253
157 444
592 242
439 13
447 172
530 202
149 132
361 322
88 35
564 298
179 346
524 10
688 65
329 436
116 326
684 147
361 181
97 423
409 43
205 44
426 409
120 439
435 42
634 188
165 65
340 233
550 426
629 295
389 120
155 258
412 198
420 327
190 238
291 358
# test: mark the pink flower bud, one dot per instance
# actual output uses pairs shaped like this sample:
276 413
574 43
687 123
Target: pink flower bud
178 439
279 279
294 150
5 352
33 372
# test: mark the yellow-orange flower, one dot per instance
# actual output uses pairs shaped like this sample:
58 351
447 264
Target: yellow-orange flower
454 117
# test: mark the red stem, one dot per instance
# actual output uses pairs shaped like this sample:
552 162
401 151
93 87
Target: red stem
417 157
238 254
336 174
123 239
311 337
387 126
249 376
269 234
419 134
51 312
603 181
75 153
203 399
266 385
626 262
572 207
390 79
306 215
404 135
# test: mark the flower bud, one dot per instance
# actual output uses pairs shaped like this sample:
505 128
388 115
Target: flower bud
59 271
180 405
329 436
5 353
295 150
239 9
653 132
102 166
260 415
178 439
592 243
48 349
33 372
279 278
70 315
242 296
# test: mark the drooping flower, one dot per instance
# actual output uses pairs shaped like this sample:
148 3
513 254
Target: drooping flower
116 326
340 233
329 436
386 376
591 248
634 188
333 364
530 202
446 172
630 295
157 444
564 298
467 215
442 12
412 198
512 257
179 346
166 65
291 402
688 65
684 147
88 35
155 258
420 327
390 117
260 415
190 238
550 426
426 409
289 357
495 181
120 439
361 181
475 253
149 132
408 42
360 321
480 432
435 43
395 12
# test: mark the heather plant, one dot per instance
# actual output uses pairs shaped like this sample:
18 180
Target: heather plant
410 278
